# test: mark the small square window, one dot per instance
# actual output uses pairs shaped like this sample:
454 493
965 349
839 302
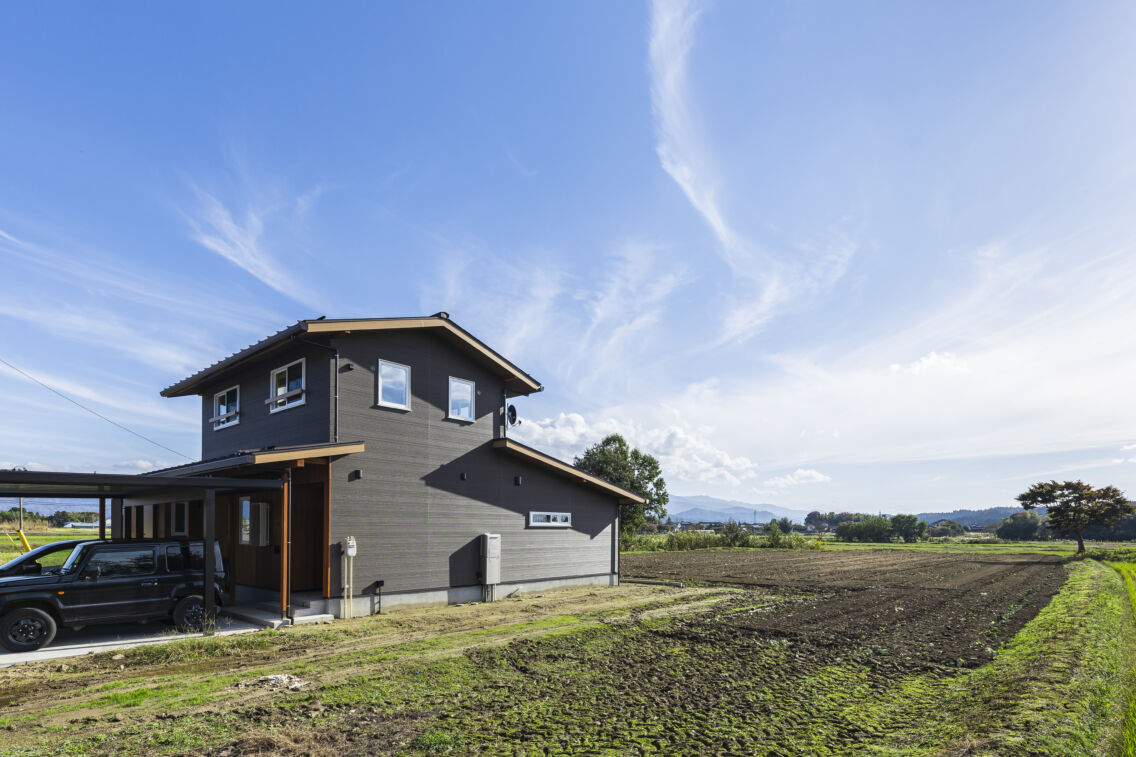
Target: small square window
550 520
226 408
286 387
461 399
394 385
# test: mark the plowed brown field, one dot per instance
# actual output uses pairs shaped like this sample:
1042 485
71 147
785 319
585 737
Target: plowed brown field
911 608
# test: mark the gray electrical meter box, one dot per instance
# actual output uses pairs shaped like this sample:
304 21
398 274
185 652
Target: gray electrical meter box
349 548
491 558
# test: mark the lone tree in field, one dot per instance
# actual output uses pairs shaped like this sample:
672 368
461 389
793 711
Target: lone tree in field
615 461
1073 506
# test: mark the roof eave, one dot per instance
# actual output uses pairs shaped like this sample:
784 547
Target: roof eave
570 471
517 382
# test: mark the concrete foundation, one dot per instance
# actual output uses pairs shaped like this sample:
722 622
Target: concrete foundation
372 604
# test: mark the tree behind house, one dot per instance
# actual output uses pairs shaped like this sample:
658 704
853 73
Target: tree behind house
614 460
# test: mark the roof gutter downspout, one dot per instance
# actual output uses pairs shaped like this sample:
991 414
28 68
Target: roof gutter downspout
336 399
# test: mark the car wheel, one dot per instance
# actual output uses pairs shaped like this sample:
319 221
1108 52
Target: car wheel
26 629
189 613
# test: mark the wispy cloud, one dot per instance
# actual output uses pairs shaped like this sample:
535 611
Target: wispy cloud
93 270
238 239
768 280
587 327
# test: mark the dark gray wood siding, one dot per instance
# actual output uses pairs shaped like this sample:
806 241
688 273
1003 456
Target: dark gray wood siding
417 522
309 423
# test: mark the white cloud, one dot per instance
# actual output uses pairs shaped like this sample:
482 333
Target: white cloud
685 455
797 477
1034 354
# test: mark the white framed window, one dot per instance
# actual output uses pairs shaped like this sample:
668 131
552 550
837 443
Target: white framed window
287 386
252 529
550 520
394 385
461 399
226 408
179 518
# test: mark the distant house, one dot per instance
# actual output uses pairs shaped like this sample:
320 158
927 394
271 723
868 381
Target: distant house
393 431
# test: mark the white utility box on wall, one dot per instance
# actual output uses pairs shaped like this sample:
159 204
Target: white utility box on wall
491 559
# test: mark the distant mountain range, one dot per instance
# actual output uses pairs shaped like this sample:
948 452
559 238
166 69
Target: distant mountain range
975 518
702 509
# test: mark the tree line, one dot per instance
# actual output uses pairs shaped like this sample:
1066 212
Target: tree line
10 518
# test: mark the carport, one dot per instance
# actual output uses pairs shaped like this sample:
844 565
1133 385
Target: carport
119 487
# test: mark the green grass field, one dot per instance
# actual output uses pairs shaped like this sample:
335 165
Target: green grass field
10 543
633 670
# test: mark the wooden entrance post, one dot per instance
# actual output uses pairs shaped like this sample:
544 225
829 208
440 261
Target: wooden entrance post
208 532
286 545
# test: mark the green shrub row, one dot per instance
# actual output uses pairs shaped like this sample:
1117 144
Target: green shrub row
682 541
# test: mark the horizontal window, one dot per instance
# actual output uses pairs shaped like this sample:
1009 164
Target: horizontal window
286 386
226 408
550 520
461 399
394 385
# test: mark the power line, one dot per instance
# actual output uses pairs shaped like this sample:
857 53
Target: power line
93 412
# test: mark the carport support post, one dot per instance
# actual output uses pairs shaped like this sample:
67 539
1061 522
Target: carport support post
102 517
116 518
208 530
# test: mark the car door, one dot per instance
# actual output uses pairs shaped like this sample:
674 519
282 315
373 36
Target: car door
116 582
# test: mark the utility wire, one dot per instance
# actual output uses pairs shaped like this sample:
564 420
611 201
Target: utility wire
93 412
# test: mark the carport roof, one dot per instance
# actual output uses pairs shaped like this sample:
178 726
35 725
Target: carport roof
115 485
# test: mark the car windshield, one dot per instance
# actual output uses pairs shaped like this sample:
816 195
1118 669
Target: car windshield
49 555
75 558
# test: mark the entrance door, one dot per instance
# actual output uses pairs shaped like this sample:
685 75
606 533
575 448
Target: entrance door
307 537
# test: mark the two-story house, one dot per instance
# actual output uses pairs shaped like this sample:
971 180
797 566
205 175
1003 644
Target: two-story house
393 431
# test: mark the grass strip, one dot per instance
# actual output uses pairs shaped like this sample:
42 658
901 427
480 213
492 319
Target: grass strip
1127 571
1061 686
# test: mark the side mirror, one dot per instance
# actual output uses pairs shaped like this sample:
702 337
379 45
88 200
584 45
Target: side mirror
31 568
91 573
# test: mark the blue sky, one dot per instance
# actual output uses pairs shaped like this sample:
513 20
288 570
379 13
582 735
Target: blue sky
868 256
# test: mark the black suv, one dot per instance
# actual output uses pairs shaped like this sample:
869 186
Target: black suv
80 582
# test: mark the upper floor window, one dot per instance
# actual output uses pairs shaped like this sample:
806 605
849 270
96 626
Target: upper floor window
461 399
286 388
394 385
226 408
